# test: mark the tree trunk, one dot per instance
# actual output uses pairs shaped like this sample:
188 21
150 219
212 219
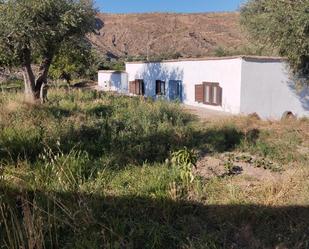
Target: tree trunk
43 93
35 89
29 82
41 82
29 78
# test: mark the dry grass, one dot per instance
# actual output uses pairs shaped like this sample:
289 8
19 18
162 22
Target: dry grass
88 170
291 188
284 142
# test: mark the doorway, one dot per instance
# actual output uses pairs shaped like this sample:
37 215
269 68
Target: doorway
175 90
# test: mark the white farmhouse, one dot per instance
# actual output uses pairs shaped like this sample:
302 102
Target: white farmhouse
114 81
238 85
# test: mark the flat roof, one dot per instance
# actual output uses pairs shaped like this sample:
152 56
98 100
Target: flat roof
111 71
244 57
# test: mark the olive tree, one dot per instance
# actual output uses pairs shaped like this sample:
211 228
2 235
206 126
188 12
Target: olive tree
283 25
72 60
35 31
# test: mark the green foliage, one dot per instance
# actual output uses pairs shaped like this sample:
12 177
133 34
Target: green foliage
185 160
283 25
283 150
112 65
42 26
35 32
56 170
11 84
121 130
229 166
75 61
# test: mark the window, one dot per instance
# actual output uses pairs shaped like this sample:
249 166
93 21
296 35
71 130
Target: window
160 87
209 93
137 87
175 90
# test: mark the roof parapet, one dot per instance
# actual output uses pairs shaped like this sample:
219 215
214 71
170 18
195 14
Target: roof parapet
244 57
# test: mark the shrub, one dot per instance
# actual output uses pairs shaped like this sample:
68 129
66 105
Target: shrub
185 160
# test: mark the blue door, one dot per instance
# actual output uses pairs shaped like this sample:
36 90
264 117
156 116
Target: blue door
175 90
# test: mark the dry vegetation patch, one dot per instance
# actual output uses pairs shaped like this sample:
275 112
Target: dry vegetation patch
93 169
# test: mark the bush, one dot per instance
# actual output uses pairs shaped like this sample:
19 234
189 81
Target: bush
123 129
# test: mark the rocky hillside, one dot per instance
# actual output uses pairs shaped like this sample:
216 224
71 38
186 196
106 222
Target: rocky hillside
189 35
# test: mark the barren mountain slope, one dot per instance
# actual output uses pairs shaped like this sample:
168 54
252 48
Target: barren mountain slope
165 33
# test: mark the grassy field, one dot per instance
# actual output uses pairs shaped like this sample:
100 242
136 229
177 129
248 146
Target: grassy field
93 170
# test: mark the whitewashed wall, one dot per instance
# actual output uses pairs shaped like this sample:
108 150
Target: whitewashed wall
113 81
268 90
227 72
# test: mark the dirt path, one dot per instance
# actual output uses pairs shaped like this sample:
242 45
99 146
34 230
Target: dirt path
206 114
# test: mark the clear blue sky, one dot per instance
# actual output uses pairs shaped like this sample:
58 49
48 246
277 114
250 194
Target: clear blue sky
187 6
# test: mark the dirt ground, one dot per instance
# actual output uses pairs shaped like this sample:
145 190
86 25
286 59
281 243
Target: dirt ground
254 169
206 114
248 169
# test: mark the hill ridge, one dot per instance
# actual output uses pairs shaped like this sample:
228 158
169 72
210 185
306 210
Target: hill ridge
169 34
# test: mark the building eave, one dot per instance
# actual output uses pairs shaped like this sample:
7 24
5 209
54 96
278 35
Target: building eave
244 57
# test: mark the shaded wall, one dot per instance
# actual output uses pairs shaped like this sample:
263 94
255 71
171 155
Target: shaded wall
268 90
